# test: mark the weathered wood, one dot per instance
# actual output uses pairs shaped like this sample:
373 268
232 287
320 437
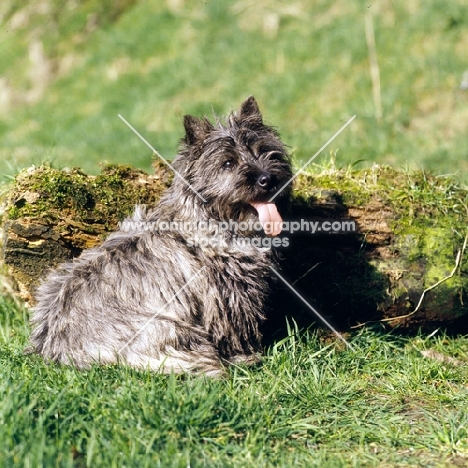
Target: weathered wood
409 229
52 215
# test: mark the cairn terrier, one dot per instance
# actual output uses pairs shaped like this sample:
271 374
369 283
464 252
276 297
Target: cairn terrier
189 297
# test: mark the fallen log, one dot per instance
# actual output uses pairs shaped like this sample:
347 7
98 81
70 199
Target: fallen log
404 264
375 245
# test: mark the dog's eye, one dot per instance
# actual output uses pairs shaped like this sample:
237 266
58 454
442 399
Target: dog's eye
229 164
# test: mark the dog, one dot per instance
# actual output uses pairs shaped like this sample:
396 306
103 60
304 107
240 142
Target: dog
190 297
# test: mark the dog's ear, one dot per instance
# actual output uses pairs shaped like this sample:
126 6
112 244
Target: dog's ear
196 129
250 112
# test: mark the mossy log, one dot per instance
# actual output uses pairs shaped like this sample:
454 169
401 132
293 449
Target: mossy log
402 265
51 216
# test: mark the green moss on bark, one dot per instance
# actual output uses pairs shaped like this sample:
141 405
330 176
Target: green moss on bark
52 194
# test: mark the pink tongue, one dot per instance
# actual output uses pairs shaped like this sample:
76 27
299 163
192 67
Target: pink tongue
269 217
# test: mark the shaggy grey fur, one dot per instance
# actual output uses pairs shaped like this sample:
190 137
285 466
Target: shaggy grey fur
153 298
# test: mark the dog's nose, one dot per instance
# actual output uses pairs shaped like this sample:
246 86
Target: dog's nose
265 181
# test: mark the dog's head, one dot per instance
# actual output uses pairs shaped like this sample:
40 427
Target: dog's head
239 167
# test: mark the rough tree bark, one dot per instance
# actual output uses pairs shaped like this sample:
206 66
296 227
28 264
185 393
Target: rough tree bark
403 265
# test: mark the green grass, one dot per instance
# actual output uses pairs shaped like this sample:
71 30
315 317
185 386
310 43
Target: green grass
154 61
310 403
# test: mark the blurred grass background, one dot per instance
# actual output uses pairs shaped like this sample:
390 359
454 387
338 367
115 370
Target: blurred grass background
68 67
